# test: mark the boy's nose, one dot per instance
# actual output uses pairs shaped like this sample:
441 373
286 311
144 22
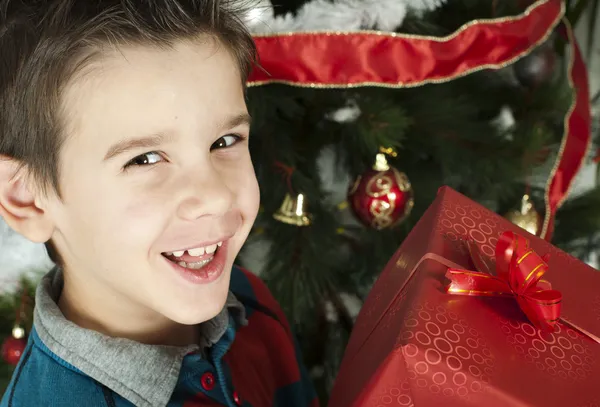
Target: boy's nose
208 195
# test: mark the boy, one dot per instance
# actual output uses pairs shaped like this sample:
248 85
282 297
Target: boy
124 147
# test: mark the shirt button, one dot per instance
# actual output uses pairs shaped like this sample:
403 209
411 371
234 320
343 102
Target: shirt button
236 398
208 381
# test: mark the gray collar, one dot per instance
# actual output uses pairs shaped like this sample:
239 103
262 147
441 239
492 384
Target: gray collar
146 375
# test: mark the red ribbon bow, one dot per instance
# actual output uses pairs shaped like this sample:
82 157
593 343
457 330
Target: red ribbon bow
518 274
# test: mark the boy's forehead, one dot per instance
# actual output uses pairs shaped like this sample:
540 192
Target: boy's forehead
126 68
142 88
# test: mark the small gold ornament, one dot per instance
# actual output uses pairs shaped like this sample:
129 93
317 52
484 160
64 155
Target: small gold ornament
293 211
527 218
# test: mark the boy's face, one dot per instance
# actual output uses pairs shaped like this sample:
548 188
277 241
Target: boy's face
155 160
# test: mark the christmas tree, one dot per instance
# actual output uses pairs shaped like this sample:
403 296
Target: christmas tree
327 156
346 171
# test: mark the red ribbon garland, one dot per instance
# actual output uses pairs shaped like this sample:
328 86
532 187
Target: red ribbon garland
518 274
576 139
367 58
345 60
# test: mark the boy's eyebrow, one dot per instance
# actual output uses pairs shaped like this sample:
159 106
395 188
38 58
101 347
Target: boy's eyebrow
155 140
238 120
143 142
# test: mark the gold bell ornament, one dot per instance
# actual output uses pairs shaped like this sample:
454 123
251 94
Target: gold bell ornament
293 211
527 217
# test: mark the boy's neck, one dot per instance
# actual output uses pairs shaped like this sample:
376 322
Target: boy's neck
88 310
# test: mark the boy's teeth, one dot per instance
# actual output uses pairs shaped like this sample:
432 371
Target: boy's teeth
195 265
198 251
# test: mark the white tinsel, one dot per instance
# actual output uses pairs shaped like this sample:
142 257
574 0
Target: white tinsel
346 114
505 119
352 304
340 15
333 181
331 314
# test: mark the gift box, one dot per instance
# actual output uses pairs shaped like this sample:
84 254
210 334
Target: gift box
425 337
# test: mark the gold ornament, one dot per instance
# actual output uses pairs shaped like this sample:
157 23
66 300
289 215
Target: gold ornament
527 217
293 211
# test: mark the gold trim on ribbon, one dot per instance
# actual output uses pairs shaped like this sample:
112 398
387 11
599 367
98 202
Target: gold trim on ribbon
472 273
566 131
524 256
531 274
474 293
528 11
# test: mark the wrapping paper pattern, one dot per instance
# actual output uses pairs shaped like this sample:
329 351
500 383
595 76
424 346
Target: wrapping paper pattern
416 345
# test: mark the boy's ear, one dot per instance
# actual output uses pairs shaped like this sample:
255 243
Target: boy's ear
18 204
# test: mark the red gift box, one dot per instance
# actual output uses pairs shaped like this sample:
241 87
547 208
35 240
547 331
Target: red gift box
415 344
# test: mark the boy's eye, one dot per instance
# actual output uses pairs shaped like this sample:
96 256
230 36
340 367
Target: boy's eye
225 141
145 159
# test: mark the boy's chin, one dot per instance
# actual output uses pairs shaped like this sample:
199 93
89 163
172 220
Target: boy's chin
192 304
202 310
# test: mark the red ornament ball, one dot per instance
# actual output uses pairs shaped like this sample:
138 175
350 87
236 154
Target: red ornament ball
12 349
536 68
381 197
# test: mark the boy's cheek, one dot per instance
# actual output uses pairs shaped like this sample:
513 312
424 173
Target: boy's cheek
250 196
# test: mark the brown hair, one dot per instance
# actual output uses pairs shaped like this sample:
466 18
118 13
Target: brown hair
44 43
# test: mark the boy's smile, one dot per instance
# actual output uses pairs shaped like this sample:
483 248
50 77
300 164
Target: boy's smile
201 264
155 161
